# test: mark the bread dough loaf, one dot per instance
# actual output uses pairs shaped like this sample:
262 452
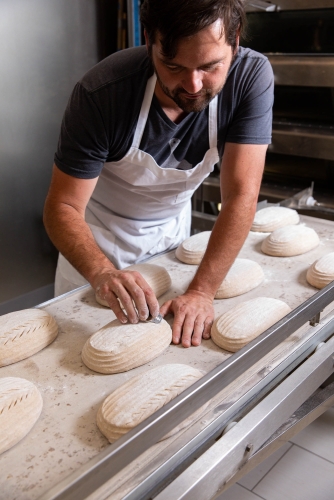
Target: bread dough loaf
192 249
118 348
290 240
157 277
244 322
141 396
321 272
271 218
23 333
243 276
20 407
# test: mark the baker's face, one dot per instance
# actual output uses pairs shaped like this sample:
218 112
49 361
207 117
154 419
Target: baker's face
198 71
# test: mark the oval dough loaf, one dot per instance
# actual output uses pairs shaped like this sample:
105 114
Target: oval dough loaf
20 407
141 396
243 276
290 240
244 322
156 276
23 333
271 218
118 348
321 272
192 249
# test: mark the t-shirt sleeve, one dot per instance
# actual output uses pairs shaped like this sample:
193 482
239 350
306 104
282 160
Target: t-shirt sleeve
252 120
83 142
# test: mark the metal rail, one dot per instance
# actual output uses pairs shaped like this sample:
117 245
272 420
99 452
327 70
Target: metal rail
104 466
216 466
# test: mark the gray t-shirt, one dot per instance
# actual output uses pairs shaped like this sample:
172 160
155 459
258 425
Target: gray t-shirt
102 113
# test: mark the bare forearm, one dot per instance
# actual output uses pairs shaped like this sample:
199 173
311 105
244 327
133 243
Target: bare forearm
227 238
73 238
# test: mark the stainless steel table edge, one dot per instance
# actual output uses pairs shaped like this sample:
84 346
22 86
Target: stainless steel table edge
204 478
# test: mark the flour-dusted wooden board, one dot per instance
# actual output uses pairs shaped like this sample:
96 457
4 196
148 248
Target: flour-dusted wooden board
66 435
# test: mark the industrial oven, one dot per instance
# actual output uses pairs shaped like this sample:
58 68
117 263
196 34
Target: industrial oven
296 35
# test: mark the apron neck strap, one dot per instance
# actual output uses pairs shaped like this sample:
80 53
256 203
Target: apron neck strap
145 108
213 122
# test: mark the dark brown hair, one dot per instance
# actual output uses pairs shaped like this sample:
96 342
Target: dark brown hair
177 19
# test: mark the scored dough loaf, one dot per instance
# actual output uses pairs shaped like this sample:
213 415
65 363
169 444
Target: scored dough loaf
139 397
118 348
157 277
191 250
321 272
244 322
271 218
20 407
23 333
243 276
289 241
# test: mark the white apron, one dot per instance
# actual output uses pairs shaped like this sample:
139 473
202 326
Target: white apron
142 209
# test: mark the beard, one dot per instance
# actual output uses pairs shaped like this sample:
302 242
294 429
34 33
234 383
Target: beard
179 96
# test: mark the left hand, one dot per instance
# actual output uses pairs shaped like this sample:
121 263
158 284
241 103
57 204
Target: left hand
193 317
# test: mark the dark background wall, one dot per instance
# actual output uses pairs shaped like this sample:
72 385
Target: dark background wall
45 47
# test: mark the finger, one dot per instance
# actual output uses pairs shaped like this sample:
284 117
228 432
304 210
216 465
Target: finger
113 303
207 328
198 331
127 303
177 327
151 304
187 331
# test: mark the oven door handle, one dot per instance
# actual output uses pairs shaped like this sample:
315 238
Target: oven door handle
254 5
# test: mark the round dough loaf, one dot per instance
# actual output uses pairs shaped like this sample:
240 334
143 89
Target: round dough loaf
321 272
118 348
192 249
290 240
243 276
20 407
244 322
271 218
157 278
23 333
141 396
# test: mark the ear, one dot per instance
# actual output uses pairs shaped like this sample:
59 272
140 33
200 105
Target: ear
237 41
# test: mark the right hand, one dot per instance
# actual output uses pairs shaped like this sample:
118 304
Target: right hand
131 290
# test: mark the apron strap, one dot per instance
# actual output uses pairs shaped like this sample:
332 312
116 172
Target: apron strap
145 108
213 122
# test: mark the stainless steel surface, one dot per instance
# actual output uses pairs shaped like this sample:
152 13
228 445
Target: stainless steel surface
304 4
222 460
316 405
260 5
302 141
303 70
45 47
205 438
146 434
66 436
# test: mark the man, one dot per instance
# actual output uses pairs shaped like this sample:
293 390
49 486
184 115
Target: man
141 131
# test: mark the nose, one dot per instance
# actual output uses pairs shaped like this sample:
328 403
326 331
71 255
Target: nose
192 82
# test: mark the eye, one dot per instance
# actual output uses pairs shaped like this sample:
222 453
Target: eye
212 67
173 68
